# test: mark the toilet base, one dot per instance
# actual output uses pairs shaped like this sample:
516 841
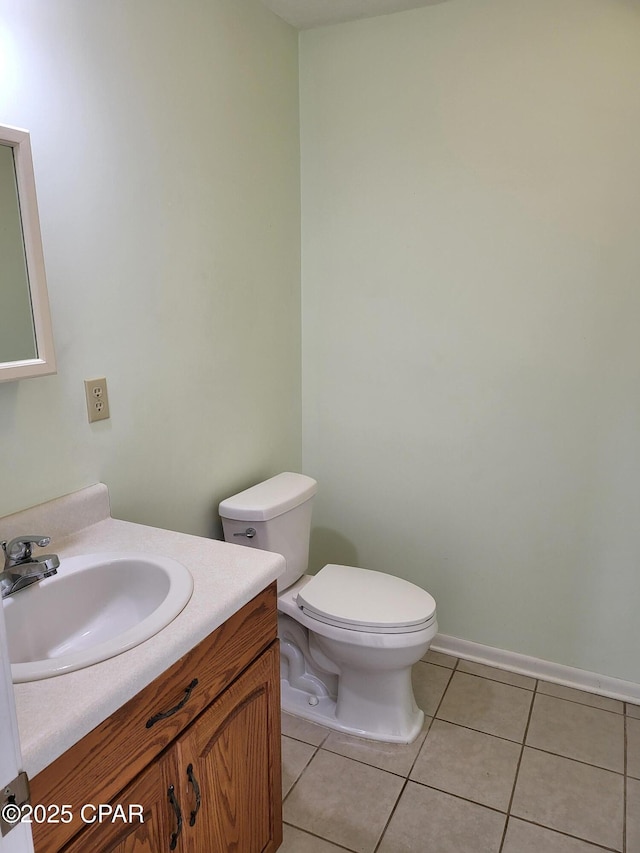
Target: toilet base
351 681
322 710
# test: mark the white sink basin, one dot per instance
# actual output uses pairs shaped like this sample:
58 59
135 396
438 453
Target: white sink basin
94 608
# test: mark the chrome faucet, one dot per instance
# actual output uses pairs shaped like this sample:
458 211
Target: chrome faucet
21 569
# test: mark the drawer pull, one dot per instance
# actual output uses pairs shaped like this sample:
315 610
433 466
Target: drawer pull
164 714
196 790
176 807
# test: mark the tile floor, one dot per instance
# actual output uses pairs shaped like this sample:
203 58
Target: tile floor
504 764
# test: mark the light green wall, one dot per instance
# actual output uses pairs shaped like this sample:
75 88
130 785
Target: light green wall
165 144
471 360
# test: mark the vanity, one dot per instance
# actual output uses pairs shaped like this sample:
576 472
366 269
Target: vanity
175 743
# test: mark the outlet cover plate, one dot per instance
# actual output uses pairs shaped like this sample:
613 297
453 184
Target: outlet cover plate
97 399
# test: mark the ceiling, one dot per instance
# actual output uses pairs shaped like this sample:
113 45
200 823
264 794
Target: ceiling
304 14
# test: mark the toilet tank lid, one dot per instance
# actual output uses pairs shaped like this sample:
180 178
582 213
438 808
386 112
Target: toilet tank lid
269 499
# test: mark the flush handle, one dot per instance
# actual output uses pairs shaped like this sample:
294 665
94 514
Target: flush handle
250 532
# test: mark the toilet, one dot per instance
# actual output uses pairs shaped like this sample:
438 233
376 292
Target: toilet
348 636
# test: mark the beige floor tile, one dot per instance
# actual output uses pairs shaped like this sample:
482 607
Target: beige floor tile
578 731
570 797
344 801
439 659
428 820
573 695
633 747
297 841
471 764
301 729
429 684
633 711
633 816
524 837
393 757
496 674
295 757
487 706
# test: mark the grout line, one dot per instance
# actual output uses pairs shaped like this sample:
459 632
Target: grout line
564 834
435 713
500 680
480 805
576 760
406 780
496 681
301 773
320 837
515 779
624 795
391 814
306 742
577 701
441 665
356 761
480 731
582 704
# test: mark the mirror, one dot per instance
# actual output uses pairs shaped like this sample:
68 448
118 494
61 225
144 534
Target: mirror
26 338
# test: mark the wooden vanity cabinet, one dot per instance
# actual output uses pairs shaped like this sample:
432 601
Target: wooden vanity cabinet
151 836
210 780
227 753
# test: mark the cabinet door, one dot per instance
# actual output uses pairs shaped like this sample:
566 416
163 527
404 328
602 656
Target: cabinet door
229 762
153 834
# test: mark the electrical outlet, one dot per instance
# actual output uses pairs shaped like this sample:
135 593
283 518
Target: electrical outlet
97 399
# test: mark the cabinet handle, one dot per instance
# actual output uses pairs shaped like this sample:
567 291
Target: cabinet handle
164 714
176 807
196 790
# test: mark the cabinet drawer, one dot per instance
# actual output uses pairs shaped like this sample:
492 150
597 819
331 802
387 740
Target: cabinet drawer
96 768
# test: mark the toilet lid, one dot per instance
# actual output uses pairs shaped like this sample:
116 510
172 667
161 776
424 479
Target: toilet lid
365 600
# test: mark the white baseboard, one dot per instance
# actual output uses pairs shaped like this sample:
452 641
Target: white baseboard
569 676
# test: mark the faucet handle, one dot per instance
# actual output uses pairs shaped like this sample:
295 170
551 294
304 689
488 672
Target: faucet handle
19 549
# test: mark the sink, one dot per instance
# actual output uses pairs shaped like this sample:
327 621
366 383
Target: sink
94 608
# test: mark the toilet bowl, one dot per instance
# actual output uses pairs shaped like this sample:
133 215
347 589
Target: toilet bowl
348 636
370 693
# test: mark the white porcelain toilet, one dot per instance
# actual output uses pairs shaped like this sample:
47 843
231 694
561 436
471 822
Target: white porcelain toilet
348 636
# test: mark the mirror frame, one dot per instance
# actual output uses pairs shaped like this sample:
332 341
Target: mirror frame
45 361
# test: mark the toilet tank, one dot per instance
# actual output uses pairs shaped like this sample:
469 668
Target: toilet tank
279 510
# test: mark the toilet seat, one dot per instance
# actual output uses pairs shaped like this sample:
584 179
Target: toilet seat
364 600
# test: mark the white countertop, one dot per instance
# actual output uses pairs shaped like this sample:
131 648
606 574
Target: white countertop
55 713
